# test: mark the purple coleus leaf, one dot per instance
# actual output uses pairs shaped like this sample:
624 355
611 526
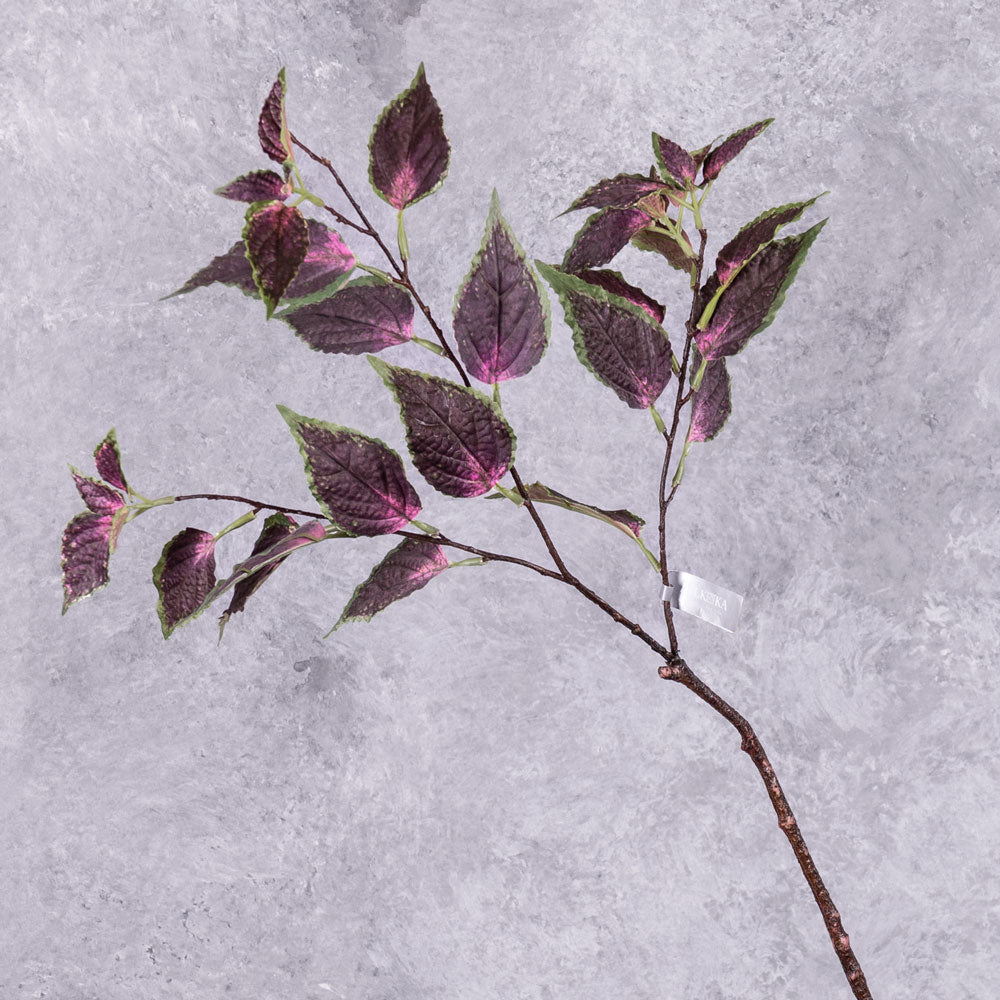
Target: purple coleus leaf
675 163
698 155
624 520
621 191
108 460
712 404
677 255
754 235
86 548
408 567
750 303
613 282
602 236
367 315
621 344
277 239
408 148
730 147
259 185
184 576
99 498
358 480
458 438
272 126
502 317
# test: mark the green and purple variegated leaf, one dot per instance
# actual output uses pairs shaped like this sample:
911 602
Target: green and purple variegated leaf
676 163
259 185
602 236
184 576
367 315
99 498
358 480
624 520
272 126
754 235
675 254
730 148
613 282
277 239
712 404
86 548
698 155
619 342
458 438
502 316
620 191
108 460
408 148
750 303
230 268
408 567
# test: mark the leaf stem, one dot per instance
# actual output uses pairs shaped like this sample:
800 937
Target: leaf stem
239 522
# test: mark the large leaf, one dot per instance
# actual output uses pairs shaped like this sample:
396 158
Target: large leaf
602 236
754 235
358 480
272 127
408 567
620 191
98 497
408 148
750 303
613 282
712 403
675 163
183 577
108 460
677 255
502 317
277 239
86 548
368 314
730 147
458 438
259 185
621 344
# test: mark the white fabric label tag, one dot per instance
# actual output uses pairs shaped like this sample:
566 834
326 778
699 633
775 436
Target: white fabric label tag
708 601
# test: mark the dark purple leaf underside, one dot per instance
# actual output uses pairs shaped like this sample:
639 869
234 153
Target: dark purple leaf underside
625 520
277 239
501 320
358 480
272 128
712 403
613 282
408 148
666 246
753 236
369 314
98 497
184 576
750 303
108 460
86 542
407 568
675 162
731 147
621 344
602 236
620 191
259 185
460 442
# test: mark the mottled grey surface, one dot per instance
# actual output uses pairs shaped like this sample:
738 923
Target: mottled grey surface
488 793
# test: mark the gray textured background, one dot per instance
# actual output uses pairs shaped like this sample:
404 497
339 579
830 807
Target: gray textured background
488 793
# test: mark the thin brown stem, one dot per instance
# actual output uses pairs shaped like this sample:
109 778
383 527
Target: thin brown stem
256 504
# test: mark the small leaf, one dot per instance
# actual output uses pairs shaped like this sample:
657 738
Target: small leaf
602 236
272 127
621 344
458 438
502 319
98 497
624 520
750 303
408 148
407 568
620 191
754 235
358 480
731 147
231 268
675 163
613 282
86 547
712 403
183 577
259 185
698 155
675 254
108 460
277 239
369 314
